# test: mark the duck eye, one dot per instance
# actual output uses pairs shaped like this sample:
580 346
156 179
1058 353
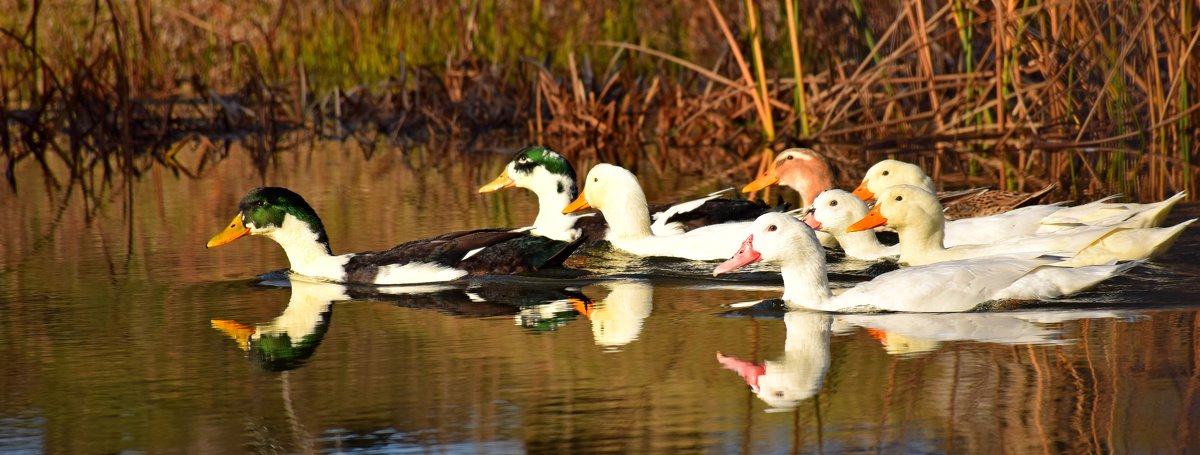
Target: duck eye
772 228
885 173
899 198
833 203
595 179
790 157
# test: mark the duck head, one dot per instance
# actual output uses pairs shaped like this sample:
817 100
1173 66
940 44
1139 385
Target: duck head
901 207
801 169
537 169
834 211
889 173
277 213
775 237
608 186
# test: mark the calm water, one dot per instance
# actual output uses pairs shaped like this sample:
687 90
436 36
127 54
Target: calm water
119 332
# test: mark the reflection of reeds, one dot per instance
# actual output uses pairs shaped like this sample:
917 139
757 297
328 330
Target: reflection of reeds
1094 97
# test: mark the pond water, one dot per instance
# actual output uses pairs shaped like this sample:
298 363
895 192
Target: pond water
120 332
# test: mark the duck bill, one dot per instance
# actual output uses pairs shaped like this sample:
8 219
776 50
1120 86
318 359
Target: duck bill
767 179
239 332
872 220
745 255
583 307
863 193
236 230
501 182
578 204
811 220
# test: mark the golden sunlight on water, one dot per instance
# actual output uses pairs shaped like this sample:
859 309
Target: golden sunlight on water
121 332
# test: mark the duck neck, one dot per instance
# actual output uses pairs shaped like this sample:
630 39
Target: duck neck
919 240
552 199
810 188
629 219
860 244
805 283
306 252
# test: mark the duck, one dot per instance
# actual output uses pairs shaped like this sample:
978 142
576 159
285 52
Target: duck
833 211
551 177
917 217
285 217
1041 218
803 170
964 204
944 287
616 193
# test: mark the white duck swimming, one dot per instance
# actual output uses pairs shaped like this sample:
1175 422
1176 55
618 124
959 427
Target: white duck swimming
615 192
951 286
1022 221
917 217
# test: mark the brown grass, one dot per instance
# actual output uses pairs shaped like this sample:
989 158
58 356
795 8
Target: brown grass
1098 97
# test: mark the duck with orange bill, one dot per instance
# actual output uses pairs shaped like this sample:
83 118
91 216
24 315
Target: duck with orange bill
1028 219
616 193
551 177
951 286
285 217
917 217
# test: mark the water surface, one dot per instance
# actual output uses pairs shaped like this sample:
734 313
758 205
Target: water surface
120 332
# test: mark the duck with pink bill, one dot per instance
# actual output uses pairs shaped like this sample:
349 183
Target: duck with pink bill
952 286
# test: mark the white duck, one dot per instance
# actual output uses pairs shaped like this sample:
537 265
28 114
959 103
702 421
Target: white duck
951 286
1022 221
615 192
833 211
917 217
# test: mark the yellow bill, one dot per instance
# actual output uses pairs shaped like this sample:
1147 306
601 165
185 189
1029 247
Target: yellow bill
236 230
501 182
578 204
766 179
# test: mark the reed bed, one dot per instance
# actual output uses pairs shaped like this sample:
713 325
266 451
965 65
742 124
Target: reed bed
1097 96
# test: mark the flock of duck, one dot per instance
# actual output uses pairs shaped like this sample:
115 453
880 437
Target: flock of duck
958 250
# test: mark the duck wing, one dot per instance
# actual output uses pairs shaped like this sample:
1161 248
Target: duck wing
718 211
992 202
446 250
522 254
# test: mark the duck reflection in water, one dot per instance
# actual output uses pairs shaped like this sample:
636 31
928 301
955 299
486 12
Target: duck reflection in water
908 334
797 375
784 382
617 318
287 341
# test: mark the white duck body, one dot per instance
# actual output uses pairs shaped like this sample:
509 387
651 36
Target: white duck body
1026 220
1103 213
917 217
615 192
951 286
